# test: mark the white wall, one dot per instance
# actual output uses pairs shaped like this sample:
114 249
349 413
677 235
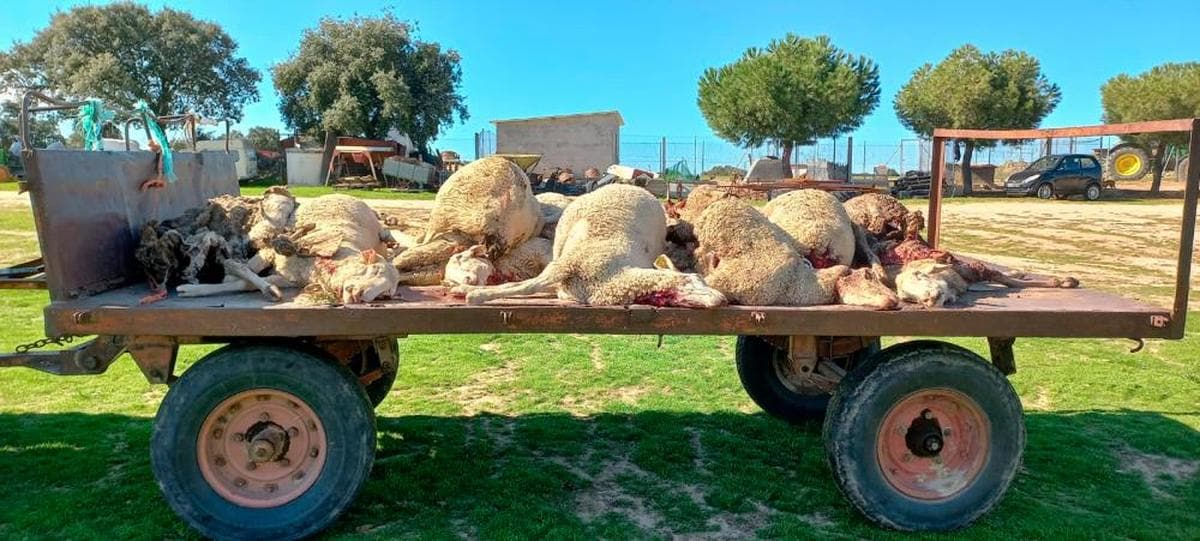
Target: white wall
574 142
246 163
304 167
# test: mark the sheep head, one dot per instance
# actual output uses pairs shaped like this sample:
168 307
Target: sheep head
924 282
469 267
862 287
277 206
364 279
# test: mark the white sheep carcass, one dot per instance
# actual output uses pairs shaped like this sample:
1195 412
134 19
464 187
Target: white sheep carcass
488 202
754 262
337 246
819 224
552 205
605 249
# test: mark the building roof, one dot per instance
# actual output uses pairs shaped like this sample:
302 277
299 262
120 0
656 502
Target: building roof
620 121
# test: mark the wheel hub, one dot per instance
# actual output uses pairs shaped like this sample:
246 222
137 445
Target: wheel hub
261 448
933 444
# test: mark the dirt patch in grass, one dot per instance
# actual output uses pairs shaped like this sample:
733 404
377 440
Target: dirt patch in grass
1157 471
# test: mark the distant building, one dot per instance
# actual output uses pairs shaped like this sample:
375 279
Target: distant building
576 141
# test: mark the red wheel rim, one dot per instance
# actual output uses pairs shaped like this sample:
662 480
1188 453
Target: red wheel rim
933 444
261 448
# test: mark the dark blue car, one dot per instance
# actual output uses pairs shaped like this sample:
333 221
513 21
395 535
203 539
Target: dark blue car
1059 176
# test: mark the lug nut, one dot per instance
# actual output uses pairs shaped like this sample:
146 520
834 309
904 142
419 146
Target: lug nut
283 462
251 466
312 425
217 433
270 487
927 414
299 475
314 452
264 416
219 461
239 482
234 408
293 432
238 436
946 431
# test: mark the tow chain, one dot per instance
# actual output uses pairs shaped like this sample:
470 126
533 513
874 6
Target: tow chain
39 344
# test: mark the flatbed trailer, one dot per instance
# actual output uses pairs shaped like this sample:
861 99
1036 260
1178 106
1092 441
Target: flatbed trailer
273 435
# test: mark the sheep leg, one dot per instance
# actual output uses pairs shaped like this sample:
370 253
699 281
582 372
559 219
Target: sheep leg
208 290
428 276
546 281
240 270
1048 281
863 246
435 252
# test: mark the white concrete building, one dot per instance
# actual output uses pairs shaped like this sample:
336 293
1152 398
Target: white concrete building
577 141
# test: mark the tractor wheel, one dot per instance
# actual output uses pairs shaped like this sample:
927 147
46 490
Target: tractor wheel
924 436
263 441
762 369
1128 161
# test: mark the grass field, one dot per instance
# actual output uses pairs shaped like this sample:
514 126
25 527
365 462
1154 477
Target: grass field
575 436
259 186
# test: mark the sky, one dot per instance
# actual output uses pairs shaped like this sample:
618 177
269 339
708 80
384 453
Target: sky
644 58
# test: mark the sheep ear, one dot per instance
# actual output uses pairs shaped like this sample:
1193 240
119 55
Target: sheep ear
663 262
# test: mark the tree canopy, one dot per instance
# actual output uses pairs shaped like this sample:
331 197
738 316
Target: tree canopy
795 91
43 129
365 76
1165 92
263 138
123 53
974 89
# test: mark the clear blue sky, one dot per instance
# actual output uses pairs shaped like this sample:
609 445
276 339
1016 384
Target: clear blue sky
644 58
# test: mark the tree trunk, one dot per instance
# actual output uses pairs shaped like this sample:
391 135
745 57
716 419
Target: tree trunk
786 158
968 149
1156 165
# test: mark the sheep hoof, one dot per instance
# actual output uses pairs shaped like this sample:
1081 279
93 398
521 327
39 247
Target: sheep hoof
273 293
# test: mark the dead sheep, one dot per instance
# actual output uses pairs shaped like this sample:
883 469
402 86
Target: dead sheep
605 249
472 266
820 226
488 202
932 277
552 205
884 217
336 247
192 248
754 262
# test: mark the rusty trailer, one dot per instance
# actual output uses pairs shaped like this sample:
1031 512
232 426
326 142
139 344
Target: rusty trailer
273 435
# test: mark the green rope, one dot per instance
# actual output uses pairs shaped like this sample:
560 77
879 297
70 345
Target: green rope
90 121
159 136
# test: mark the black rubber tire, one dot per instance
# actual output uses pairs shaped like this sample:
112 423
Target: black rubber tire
332 392
861 403
1045 191
1093 192
1128 148
755 357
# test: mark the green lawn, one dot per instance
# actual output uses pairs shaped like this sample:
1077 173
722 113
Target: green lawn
581 437
259 186
8 186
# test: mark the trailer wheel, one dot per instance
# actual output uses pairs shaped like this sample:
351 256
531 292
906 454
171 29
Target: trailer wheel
924 436
263 441
761 369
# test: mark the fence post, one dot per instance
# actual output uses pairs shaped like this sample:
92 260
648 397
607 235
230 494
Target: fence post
662 156
849 158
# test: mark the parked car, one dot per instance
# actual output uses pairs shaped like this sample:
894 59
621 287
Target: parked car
1059 176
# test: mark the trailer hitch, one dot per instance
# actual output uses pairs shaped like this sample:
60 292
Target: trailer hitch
91 357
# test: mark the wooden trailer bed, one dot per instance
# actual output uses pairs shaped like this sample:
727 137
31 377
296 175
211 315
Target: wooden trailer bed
428 310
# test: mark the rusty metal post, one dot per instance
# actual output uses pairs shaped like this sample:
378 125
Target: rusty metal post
849 158
937 166
1187 236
